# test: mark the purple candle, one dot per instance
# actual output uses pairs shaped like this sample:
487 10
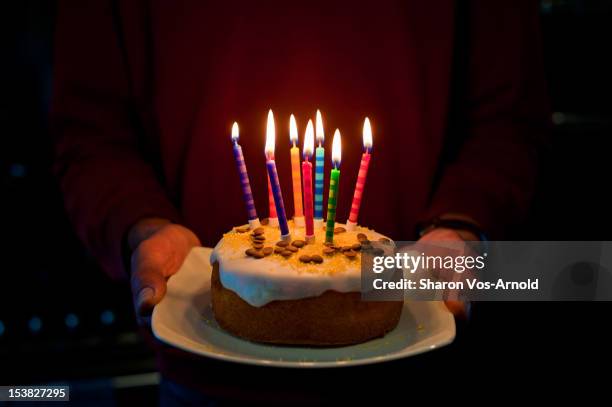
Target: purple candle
274 183
244 180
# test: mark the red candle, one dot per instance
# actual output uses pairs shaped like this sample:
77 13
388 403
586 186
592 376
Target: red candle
273 218
307 182
361 176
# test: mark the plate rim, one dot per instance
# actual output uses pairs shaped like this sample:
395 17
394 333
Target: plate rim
159 329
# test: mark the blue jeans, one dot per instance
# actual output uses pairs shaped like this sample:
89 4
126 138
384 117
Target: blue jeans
173 394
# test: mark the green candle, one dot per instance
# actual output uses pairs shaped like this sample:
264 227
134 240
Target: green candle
334 182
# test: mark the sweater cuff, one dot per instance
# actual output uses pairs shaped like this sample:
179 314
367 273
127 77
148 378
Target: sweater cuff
473 203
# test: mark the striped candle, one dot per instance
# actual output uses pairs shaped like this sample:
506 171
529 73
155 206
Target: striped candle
244 179
272 217
334 182
278 199
307 181
273 178
361 176
319 170
296 177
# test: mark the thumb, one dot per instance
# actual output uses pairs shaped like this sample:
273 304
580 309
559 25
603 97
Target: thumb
148 288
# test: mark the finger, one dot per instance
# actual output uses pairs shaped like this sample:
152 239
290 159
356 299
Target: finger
148 288
166 251
156 259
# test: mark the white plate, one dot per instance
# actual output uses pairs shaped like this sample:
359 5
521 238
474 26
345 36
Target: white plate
184 319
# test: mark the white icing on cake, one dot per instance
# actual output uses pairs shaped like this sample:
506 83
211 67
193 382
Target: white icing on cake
260 281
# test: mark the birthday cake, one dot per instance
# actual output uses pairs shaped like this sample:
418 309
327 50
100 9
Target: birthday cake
270 290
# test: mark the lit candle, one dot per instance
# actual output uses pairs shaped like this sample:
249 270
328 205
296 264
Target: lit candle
334 181
273 177
307 179
298 216
319 172
361 176
244 180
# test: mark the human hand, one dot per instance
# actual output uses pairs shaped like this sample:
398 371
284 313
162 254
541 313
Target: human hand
459 309
158 251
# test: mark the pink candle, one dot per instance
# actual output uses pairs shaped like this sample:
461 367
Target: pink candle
361 176
307 182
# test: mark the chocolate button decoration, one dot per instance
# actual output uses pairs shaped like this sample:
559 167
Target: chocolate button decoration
298 243
316 259
350 254
305 259
329 251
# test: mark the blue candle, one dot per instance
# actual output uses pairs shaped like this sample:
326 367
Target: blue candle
319 169
273 176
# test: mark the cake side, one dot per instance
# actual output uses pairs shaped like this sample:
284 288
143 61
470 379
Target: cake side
330 319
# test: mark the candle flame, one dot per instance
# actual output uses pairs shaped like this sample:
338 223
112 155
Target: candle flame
320 133
336 149
270 135
367 134
293 133
309 140
235 132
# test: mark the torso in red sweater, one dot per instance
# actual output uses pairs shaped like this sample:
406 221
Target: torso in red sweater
188 69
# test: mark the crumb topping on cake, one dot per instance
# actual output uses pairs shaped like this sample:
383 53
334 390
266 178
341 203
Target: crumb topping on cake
261 268
311 257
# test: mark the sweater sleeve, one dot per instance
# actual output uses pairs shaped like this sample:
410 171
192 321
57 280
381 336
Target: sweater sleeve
504 118
107 184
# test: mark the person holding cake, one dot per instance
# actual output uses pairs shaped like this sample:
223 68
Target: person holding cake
144 96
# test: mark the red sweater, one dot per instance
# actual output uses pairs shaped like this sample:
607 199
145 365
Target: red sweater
145 94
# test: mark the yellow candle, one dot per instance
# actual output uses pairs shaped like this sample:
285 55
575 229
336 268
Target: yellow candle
296 176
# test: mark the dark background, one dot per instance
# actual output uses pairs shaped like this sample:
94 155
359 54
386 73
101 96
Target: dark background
62 320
